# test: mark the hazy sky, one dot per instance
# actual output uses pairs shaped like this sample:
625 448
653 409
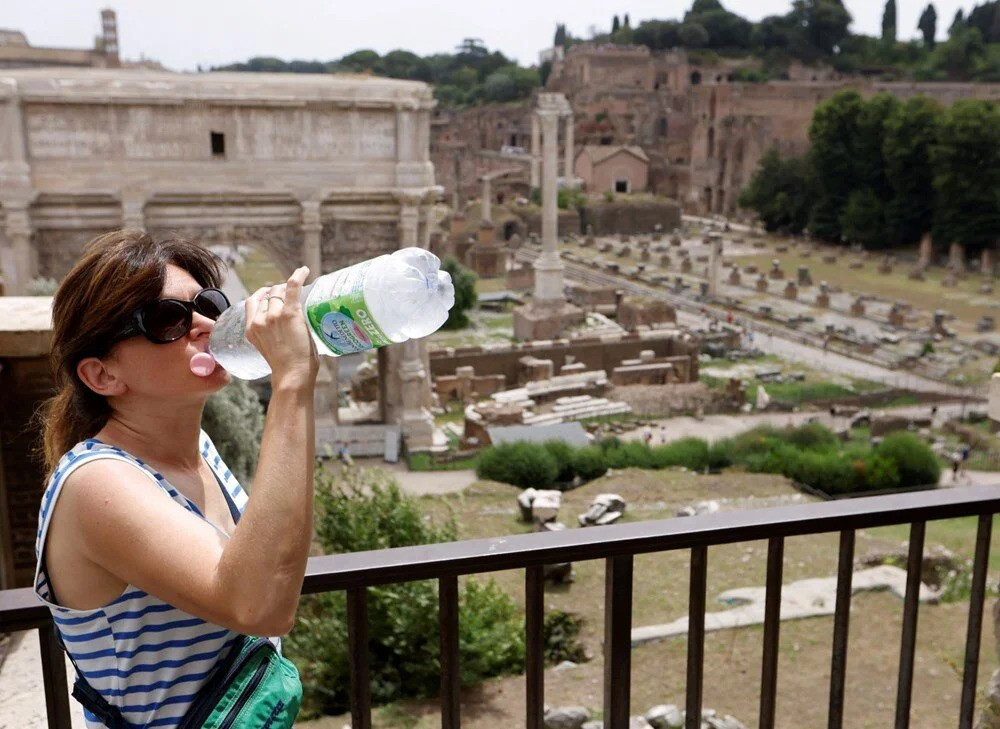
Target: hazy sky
184 33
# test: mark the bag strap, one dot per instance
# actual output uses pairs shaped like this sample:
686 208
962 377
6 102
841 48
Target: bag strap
109 714
90 698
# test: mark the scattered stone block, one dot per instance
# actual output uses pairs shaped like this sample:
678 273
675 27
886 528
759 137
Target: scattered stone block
565 717
675 241
917 274
791 291
665 261
858 307
776 272
986 289
804 277
897 316
686 265
751 269
829 258
734 277
665 716
604 509
781 249
761 284
856 264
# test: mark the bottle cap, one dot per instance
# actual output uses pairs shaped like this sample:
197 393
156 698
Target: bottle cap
202 364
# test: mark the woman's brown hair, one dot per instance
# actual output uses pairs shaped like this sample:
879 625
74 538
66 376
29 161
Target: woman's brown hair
117 272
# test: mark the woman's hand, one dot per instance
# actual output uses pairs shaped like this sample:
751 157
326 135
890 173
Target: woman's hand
276 326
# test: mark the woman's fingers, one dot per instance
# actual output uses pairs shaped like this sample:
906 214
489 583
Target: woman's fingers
293 287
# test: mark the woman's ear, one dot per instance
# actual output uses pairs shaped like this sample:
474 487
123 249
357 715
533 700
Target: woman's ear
99 377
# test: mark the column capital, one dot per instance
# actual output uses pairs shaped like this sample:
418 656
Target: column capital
311 221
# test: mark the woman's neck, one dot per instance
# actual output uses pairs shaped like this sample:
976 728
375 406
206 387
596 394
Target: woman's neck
169 439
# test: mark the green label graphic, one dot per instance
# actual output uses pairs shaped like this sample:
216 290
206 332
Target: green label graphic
344 322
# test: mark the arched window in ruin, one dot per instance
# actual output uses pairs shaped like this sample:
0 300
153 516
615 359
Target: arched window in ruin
663 126
711 142
695 78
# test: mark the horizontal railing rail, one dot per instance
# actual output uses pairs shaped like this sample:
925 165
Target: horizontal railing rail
617 545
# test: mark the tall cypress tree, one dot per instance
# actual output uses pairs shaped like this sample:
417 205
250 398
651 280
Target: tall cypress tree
615 25
889 22
928 25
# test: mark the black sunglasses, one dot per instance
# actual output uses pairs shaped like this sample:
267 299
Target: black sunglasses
167 320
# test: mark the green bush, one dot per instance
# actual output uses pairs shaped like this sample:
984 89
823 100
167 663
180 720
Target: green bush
810 435
560 636
562 452
879 473
521 464
364 509
234 420
466 297
691 453
589 462
916 463
720 455
629 455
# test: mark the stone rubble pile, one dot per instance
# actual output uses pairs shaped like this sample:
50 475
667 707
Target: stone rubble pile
663 716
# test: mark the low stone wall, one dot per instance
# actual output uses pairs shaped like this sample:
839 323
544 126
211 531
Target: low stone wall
596 353
568 223
631 217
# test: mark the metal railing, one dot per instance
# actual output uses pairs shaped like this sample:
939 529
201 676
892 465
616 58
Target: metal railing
617 545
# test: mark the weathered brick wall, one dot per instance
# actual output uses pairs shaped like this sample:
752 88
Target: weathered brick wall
595 353
24 383
632 217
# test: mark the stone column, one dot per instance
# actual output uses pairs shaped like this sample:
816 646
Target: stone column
536 180
714 259
312 227
409 221
417 422
18 260
568 163
133 212
548 267
486 201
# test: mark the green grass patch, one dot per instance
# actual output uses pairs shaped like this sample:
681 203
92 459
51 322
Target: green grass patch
426 462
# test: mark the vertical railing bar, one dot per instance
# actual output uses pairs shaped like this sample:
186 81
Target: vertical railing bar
911 604
54 678
450 675
617 641
534 593
696 636
841 624
357 646
977 598
772 629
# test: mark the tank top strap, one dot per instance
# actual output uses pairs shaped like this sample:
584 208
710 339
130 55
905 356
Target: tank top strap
238 496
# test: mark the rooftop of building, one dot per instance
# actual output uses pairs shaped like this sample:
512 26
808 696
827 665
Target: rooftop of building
599 152
78 85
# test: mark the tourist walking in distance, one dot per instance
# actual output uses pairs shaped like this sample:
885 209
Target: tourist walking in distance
155 563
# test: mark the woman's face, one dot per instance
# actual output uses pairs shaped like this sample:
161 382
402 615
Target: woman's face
156 370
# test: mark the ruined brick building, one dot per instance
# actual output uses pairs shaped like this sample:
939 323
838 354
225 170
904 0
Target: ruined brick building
703 133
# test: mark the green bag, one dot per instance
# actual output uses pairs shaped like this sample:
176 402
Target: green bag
252 687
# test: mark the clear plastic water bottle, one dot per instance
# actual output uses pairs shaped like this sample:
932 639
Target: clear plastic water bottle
385 300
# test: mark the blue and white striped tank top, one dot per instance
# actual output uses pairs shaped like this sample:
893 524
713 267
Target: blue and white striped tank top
144 656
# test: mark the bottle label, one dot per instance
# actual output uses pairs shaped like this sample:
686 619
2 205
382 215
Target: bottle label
343 321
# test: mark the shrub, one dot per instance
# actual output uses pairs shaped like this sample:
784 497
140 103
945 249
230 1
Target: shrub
688 452
629 455
234 420
589 462
560 637
365 509
720 454
466 297
879 473
916 463
562 452
521 464
811 435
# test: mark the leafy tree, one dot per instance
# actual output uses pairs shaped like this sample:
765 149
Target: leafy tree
615 24
780 192
910 131
889 22
863 220
404 64
466 297
657 35
693 35
625 23
234 420
958 57
986 18
833 133
823 23
364 60
928 25
966 161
